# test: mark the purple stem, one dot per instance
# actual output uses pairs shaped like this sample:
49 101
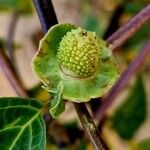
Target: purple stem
127 30
11 74
11 34
46 13
123 80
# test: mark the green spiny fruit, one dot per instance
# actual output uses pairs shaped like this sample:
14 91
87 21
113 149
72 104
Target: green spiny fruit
78 53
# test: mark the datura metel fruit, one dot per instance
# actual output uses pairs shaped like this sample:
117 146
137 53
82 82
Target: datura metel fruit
74 64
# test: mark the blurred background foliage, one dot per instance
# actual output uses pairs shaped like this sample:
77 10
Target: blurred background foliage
130 114
127 123
23 7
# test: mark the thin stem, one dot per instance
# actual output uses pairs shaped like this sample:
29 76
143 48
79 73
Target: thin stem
11 74
46 14
11 33
123 80
127 30
114 21
89 126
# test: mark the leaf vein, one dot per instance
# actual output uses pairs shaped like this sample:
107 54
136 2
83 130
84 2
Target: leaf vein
18 106
23 128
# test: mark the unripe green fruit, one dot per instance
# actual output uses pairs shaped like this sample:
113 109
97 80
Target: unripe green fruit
78 53
74 64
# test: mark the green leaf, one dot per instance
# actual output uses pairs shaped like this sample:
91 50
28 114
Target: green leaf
21 124
132 113
57 104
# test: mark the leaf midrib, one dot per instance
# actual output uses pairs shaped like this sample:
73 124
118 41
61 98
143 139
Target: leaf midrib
19 106
23 128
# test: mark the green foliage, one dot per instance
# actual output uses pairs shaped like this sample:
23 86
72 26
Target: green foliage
21 6
21 124
82 145
57 103
135 6
92 23
143 145
131 114
138 38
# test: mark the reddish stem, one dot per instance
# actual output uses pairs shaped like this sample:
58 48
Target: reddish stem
131 27
11 34
11 74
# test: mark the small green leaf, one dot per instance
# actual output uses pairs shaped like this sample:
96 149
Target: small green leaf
21 124
57 103
132 113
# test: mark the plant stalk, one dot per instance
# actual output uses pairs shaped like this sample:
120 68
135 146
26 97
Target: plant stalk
46 13
90 127
11 74
130 28
10 36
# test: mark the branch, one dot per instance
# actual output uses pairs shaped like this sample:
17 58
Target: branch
48 18
89 126
7 64
46 13
10 73
131 27
11 33
123 80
